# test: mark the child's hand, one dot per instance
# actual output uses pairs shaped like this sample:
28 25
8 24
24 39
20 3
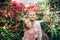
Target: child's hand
23 38
36 35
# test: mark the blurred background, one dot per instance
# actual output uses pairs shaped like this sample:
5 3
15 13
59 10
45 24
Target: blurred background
12 13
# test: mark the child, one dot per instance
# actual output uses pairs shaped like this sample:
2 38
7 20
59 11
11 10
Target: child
30 32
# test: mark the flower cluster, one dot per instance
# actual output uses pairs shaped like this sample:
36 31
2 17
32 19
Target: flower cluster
15 7
11 13
12 10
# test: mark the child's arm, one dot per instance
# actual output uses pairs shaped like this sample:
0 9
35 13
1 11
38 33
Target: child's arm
25 36
36 34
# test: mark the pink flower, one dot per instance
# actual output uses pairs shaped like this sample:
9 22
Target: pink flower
1 11
17 5
10 13
21 6
12 4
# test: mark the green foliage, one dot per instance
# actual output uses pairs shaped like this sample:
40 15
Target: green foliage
39 16
6 34
52 32
3 3
55 4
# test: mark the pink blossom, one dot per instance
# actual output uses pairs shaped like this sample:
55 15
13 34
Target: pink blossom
21 6
17 5
1 11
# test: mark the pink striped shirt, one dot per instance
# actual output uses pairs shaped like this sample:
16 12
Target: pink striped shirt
30 35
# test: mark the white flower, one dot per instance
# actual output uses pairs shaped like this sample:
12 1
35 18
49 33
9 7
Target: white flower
53 25
4 27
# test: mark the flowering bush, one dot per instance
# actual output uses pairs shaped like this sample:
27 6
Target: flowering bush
11 25
10 16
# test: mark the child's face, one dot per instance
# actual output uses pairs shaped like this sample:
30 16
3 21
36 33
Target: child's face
28 24
32 16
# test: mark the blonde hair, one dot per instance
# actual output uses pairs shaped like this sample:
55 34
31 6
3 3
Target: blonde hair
25 28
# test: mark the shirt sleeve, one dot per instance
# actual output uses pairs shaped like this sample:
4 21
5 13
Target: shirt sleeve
39 31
